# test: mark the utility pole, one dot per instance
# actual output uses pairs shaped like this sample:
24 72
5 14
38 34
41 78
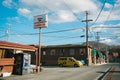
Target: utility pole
8 31
107 52
87 36
98 38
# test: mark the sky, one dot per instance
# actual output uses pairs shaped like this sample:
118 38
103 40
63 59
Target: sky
65 24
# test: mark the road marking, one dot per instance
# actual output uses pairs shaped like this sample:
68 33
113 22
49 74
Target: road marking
100 77
109 74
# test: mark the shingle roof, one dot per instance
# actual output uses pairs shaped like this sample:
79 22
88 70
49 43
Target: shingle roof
11 45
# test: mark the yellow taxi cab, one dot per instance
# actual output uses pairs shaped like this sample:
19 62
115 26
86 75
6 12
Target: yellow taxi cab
69 61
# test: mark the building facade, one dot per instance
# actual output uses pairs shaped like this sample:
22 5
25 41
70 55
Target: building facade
10 51
50 54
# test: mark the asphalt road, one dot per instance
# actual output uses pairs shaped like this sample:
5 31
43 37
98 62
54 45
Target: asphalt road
65 73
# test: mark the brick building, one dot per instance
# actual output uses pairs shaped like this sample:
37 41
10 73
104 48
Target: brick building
50 54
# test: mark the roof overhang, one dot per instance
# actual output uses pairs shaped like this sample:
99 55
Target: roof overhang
16 46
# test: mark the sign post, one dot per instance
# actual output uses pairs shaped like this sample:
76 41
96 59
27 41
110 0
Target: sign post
40 21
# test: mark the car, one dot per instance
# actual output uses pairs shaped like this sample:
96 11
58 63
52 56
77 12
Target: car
69 61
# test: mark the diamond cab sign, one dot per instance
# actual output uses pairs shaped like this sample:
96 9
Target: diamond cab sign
40 21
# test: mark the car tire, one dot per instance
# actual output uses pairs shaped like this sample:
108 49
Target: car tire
75 65
61 65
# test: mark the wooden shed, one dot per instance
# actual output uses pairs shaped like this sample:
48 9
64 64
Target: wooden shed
7 51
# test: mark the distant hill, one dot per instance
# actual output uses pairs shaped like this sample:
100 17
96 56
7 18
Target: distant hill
96 45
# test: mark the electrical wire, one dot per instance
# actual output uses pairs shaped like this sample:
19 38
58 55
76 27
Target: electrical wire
52 31
3 36
108 27
65 30
98 17
71 11
99 13
110 13
73 37
107 16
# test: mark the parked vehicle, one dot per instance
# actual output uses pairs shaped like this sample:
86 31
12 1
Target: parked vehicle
69 61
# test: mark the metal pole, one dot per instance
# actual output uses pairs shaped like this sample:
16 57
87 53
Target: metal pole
87 37
39 52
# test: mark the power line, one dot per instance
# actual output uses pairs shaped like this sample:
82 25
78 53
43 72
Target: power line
51 31
63 30
110 13
71 11
99 13
108 18
3 36
108 27
67 38
98 16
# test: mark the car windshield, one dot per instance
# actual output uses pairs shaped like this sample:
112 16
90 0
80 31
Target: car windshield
72 58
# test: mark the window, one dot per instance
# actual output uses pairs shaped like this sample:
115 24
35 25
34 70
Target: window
61 52
72 59
84 50
80 51
44 52
62 58
72 51
52 52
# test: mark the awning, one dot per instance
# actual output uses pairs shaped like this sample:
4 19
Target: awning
11 45
94 52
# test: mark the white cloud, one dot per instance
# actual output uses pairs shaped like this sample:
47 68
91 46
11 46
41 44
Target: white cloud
107 35
105 40
111 41
107 5
24 11
107 14
14 19
9 4
60 8
98 28
62 16
103 28
63 9
115 12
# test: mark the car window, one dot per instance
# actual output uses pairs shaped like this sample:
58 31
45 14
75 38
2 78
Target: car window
62 58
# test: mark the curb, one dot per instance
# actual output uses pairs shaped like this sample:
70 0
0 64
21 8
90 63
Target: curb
109 74
103 75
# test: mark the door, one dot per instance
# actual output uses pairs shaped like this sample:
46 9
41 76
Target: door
70 62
